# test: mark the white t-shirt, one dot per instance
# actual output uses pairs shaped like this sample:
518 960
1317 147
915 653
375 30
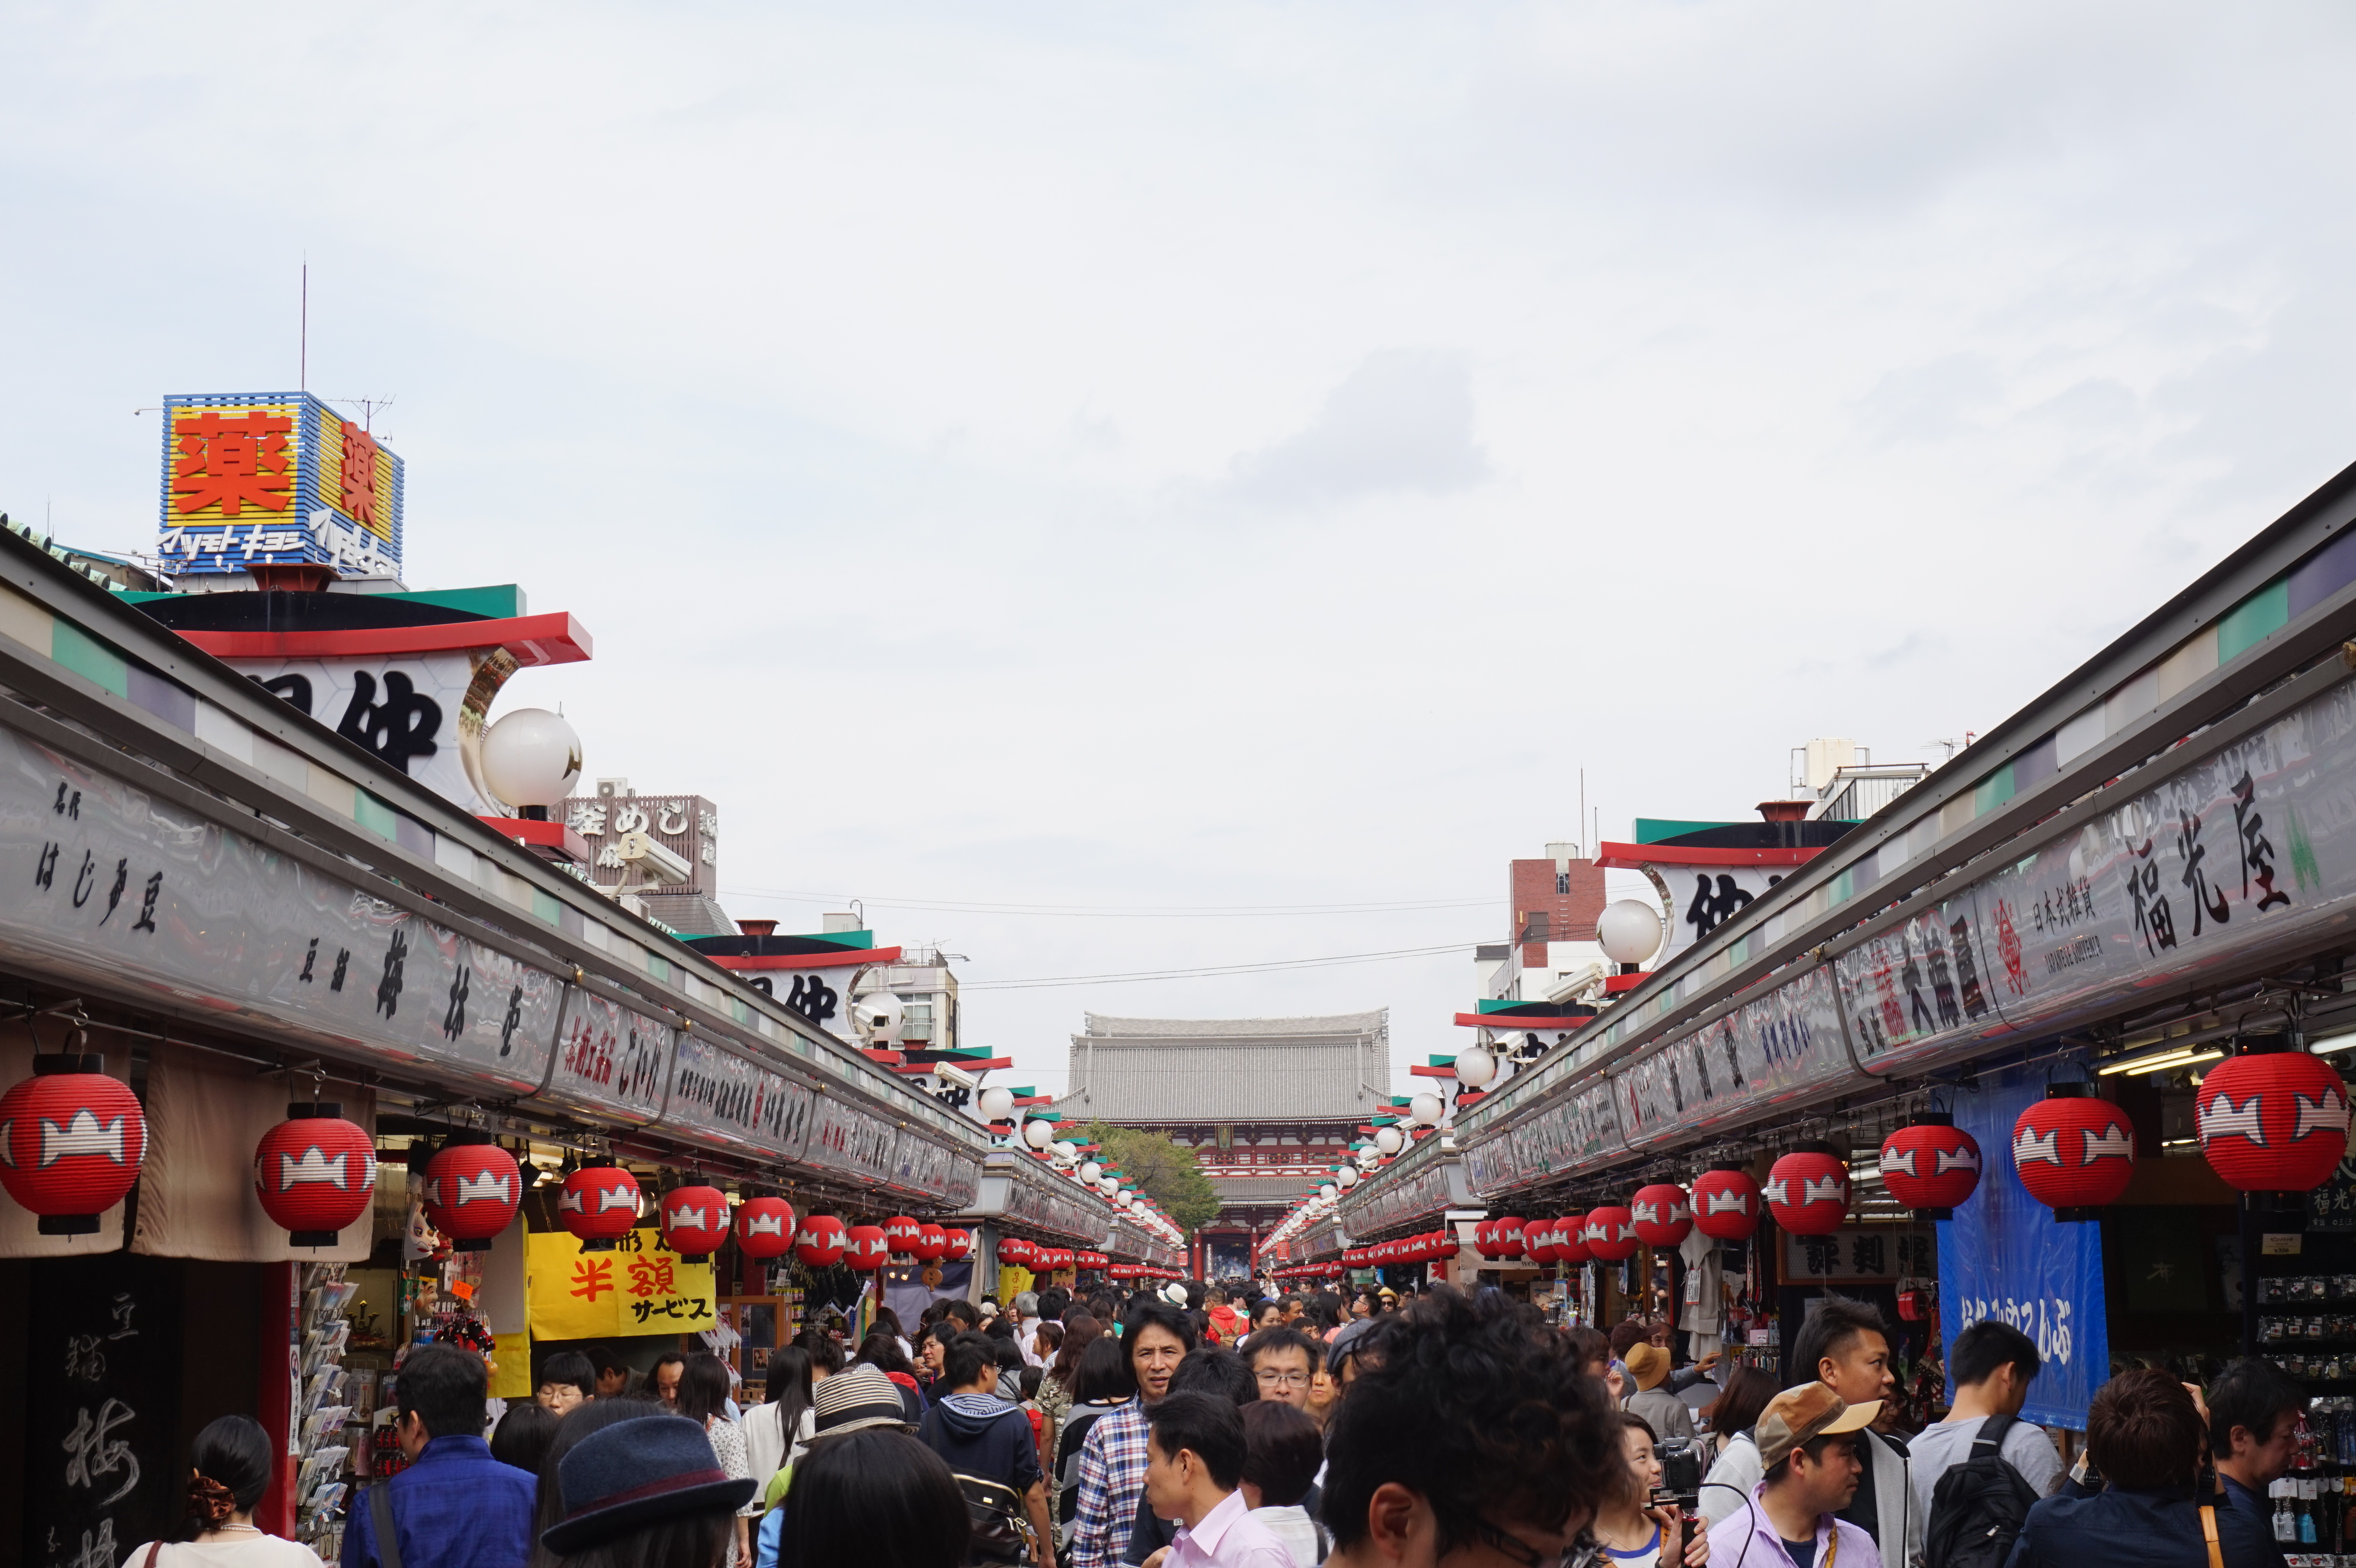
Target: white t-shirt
238 1551
2025 1448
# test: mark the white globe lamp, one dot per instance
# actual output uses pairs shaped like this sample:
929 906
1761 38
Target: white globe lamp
1628 931
1476 1067
1426 1109
531 757
996 1105
1090 1171
1347 1179
1067 1151
1038 1133
1389 1140
1326 1191
1126 1200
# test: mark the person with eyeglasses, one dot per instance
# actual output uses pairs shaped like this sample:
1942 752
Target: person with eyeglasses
1807 1439
1282 1362
1468 1438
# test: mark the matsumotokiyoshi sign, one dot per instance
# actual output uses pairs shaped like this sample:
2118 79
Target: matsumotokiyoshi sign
275 477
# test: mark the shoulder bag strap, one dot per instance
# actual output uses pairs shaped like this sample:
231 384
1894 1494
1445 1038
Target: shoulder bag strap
1992 1431
388 1537
153 1548
2208 1533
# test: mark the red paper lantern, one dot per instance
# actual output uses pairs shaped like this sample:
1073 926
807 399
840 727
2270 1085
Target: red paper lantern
598 1203
2275 1122
821 1240
315 1173
1726 1203
1661 1213
693 1221
1807 1190
472 1193
1570 1245
1484 1238
1612 1233
868 1248
1444 1245
1016 1250
1537 1242
957 1244
900 1235
1508 1235
1931 1165
2073 1152
930 1244
70 1144
765 1227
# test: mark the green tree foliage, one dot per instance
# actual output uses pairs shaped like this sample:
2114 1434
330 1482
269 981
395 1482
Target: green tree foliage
1166 1171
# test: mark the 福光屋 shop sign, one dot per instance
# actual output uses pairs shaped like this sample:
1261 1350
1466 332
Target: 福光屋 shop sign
107 880
2249 850
639 1286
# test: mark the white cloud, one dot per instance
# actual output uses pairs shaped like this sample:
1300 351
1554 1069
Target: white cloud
1402 421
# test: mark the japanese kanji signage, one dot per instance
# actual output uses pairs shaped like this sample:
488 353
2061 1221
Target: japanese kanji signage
104 1465
719 1098
640 1286
276 477
403 709
1861 1252
686 825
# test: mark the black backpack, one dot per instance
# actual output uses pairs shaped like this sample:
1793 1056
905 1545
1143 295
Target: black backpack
1978 1506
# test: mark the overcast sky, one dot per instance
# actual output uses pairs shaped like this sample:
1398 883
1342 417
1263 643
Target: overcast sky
1214 456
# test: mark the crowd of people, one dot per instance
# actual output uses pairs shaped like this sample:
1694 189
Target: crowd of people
1190 1429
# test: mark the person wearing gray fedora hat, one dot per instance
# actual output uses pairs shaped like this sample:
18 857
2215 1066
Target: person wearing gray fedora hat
632 1490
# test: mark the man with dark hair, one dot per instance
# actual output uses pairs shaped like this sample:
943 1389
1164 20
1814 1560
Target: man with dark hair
1194 1463
1282 1360
962 1313
1469 1428
980 1435
1288 1310
613 1371
1154 1338
2143 1439
663 1378
1283 1451
1207 1369
1989 1367
454 1506
1845 1345
2253 1411
1807 1439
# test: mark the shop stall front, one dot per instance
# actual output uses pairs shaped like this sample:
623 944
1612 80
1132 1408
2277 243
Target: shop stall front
303 1063
2057 1037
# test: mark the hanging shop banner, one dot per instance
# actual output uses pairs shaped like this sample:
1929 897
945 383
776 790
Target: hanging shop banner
404 709
922 1168
610 1061
2005 1256
640 1286
2244 853
104 1468
845 1138
720 1099
1785 1045
109 881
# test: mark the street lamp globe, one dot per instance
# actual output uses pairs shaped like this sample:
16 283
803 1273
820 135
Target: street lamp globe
1628 931
1476 1067
1067 1151
1326 1191
1346 1178
1038 1133
1389 1140
1090 1171
996 1105
1426 1109
531 757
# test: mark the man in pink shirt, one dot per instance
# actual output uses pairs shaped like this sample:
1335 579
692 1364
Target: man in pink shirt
1193 1463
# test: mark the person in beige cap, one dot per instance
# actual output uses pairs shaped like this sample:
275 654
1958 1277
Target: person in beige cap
1664 1411
1807 1439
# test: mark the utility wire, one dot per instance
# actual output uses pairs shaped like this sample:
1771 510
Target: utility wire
1156 911
1274 964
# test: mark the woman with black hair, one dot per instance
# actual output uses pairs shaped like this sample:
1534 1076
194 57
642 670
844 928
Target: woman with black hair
880 1351
229 1471
576 1427
775 1432
703 1399
522 1436
876 1498
1100 1385
645 1493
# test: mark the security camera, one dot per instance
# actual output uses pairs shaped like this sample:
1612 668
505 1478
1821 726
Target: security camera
653 865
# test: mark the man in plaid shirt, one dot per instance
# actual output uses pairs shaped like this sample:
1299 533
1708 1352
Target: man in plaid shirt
1156 1337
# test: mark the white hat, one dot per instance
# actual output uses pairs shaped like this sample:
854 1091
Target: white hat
1174 1294
990 1309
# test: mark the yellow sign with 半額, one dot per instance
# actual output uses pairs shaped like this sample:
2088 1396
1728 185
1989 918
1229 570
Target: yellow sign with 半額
639 1287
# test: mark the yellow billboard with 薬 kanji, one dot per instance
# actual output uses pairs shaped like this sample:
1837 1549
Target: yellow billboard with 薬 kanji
640 1286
